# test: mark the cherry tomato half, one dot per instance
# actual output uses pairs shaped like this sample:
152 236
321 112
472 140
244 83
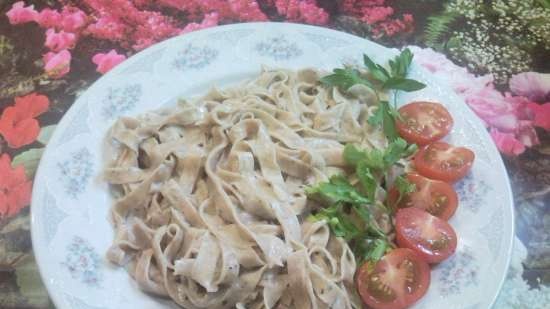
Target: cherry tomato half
431 238
434 196
396 281
443 161
424 122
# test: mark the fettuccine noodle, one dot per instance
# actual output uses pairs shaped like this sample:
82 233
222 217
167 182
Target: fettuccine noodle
210 206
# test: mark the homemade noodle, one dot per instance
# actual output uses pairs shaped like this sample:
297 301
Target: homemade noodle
210 206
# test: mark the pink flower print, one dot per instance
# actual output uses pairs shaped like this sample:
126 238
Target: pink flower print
153 28
492 107
246 10
391 27
57 41
210 20
48 18
507 143
106 62
19 14
540 114
108 28
510 119
527 134
532 85
58 64
302 11
376 14
72 19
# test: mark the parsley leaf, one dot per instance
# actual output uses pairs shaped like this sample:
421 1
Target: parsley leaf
342 225
398 149
404 187
337 190
399 66
339 223
405 84
379 79
352 155
378 117
367 180
345 78
378 159
370 249
384 116
378 72
372 159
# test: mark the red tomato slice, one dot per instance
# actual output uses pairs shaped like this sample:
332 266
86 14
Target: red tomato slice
434 196
429 237
443 161
396 281
424 122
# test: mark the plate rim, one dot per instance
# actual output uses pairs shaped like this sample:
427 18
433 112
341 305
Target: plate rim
57 297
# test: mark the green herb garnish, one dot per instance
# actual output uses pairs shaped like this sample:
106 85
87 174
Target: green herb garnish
340 224
385 117
345 78
379 159
337 190
347 208
367 179
371 249
404 187
379 79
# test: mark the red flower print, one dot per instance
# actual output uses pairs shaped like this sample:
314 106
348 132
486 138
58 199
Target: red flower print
15 189
17 123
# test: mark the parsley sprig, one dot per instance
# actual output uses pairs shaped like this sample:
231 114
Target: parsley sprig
404 187
373 164
348 208
379 79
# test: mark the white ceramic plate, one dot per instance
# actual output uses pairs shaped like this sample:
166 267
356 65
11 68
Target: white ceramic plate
70 231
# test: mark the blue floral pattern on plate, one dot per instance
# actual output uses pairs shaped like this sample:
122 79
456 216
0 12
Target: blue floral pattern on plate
458 272
278 48
144 64
493 231
194 57
79 125
52 217
83 262
76 171
230 36
472 192
323 41
120 100
77 303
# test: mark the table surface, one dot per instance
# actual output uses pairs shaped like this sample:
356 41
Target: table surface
21 48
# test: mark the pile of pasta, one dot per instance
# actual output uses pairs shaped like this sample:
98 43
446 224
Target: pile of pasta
209 205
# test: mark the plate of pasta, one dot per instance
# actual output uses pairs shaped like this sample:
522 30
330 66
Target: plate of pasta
268 165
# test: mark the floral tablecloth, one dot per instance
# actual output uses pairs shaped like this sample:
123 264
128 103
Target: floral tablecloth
492 53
